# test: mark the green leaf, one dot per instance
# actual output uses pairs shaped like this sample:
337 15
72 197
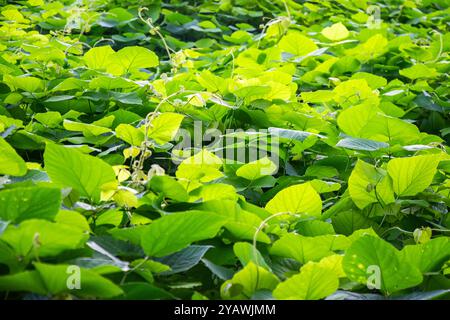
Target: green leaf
241 224
369 254
130 59
374 47
428 257
319 96
10 162
184 260
50 119
130 134
248 281
324 186
373 80
212 82
304 249
164 127
310 284
346 222
56 280
361 144
256 169
246 253
354 91
412 175
214 192
20 204
203 166
335 32
419 71
73 219
88 130
321 171
98 57
84 173
143 290
368 184
392 130
176 231
297 44
169 187
219 271
29 84
292 134
297 199
312 228
29 281
43 238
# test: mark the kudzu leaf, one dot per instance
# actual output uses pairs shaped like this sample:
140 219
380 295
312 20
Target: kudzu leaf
50 119
169 187
428 257
335 32
353 120
144 290
292 134
353 91
371 260
310 284
312 228
297 44
184 260
373 80
247 281
368 184
392 130
130 59
56 280
88 130
304 249
130 134
297 199
43 238
241 224
164 127
73 219
29 84
10 162
98 57
212 82
203 166
214 191
23 281
333 263
24 203
84 173
176 231
412 175
256 169
361 144
246 253
374 47
419 71
324 186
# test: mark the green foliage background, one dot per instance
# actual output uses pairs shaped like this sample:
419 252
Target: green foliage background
93 94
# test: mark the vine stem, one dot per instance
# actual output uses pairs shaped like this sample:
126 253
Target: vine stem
148 123
255 237
148 22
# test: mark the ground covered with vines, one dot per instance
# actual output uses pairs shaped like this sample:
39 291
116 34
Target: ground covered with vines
118 119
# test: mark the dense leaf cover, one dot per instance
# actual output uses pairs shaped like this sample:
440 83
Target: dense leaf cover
98 201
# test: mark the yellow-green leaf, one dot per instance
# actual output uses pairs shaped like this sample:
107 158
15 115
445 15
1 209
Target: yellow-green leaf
336 32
